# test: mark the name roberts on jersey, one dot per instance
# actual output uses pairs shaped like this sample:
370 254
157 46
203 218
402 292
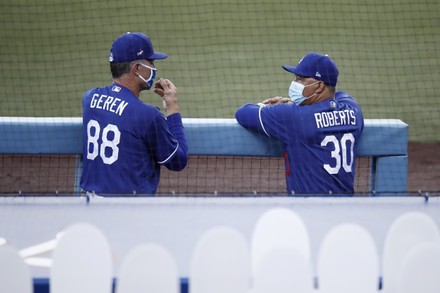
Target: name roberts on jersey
108 103
335 118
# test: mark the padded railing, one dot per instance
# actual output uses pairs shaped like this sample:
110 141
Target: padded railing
384 140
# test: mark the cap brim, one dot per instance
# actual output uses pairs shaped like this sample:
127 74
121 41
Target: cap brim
157 56
289 68
294 70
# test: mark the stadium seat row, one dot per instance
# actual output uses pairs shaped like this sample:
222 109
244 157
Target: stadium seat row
278 259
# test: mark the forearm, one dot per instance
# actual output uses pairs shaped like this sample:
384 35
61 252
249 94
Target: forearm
173 109
248 116
180 158
170 105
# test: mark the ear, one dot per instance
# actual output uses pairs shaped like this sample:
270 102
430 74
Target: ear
135 68
321 87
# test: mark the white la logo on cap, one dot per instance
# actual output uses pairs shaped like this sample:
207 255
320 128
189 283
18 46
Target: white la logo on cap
318 74
110 58
140 52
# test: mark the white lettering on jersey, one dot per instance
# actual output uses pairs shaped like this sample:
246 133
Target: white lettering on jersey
335 118
108 103
121 108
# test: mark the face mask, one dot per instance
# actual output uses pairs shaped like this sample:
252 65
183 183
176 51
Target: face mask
150 80
296 92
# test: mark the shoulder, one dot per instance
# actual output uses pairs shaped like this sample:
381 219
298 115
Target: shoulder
97 91
91 91
344 97
147 108
147 114
136 106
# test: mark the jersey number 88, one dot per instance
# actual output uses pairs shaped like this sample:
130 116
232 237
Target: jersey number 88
93 147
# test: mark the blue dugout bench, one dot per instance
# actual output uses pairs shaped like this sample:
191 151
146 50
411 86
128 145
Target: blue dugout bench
385 141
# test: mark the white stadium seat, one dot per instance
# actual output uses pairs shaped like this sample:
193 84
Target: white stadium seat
279 227
420 269
220 262
348 261
406 232
81 261
15 276
283 270
148 268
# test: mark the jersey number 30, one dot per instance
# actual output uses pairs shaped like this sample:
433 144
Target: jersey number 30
340 153
93 147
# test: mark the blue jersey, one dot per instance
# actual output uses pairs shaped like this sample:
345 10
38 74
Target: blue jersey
320 141
125 141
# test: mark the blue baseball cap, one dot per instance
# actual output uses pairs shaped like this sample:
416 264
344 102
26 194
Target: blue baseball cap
316 66
133 46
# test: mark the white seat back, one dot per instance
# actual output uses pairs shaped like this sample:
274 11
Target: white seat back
420 270
283 270
348 261
279 227
148 268
220 262
81 261
406 232
14 273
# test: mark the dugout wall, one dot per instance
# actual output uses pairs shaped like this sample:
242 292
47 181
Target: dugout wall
222 154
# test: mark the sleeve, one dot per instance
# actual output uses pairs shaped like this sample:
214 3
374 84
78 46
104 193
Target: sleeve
277 121
86 98
249 116
170 145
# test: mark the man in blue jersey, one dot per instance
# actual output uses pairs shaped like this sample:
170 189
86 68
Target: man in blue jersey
319 127
124 140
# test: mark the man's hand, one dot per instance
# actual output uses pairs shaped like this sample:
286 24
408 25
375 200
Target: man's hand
166 89
158 89
276 100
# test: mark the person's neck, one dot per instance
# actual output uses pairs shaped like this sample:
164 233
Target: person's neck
128 83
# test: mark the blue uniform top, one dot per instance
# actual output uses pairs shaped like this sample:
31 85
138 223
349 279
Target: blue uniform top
320 141
125 141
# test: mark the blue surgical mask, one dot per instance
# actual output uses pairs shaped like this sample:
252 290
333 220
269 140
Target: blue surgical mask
296 90
150 80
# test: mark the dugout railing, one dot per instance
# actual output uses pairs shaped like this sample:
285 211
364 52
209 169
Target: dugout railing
384 142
